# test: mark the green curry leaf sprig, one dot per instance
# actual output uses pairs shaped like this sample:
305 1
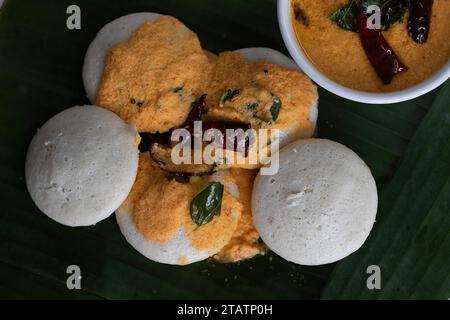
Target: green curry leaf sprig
229 95
392 11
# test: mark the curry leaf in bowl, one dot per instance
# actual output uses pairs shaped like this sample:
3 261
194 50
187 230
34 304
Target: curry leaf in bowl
207 203
392 12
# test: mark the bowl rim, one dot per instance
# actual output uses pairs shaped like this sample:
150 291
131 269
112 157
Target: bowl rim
291 42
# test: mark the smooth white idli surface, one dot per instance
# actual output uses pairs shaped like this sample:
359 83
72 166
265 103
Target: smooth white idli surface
81 165
319 207
179 248
115 32
266 54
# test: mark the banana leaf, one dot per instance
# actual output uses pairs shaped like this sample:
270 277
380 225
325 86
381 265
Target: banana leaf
40 75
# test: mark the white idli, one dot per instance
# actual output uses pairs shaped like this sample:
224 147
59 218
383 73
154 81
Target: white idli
267 54
81 165
260 54
111 34
179 250
319 207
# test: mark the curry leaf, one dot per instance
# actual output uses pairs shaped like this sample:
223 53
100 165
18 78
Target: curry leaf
252 107
207 203
177 90
346 16
391 12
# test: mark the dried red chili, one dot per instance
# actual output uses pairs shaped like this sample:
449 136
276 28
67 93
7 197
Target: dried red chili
196 113
150 140
164 161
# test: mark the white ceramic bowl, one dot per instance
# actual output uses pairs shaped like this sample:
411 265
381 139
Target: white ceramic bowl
290 40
